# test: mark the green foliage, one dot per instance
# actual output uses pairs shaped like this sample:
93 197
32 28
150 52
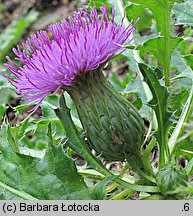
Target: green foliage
119 85
189 60
35 160
165 44
183 118
25 177
183 13
138 87
134 11
176 99
2 111
98 3
158 7
170 177
157 48
159 105
185 149
14 31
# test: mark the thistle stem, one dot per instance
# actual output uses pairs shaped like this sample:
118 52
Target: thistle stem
167 47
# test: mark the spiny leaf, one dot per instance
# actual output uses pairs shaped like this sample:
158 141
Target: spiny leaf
177 99
157 48
183 118
161 10
185 79
160 95
159 105
53 177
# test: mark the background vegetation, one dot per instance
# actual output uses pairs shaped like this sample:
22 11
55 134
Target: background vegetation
34 164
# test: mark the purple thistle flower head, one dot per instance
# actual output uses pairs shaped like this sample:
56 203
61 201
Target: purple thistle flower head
83 43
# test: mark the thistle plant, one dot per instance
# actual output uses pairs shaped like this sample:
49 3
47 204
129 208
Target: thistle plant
69 58
72 60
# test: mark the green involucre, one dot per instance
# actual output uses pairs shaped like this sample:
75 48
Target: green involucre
111 123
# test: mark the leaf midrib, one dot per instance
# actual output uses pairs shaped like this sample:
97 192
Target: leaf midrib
18 193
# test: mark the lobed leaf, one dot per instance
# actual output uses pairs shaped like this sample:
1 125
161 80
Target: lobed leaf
159 104
163 46
53 177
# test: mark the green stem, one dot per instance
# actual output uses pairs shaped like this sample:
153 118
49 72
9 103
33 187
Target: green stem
164 154
87 174
123 194
146 162
97 165
124 169
167 45
78 145
162 151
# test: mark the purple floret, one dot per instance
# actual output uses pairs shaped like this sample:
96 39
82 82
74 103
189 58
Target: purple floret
83 43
